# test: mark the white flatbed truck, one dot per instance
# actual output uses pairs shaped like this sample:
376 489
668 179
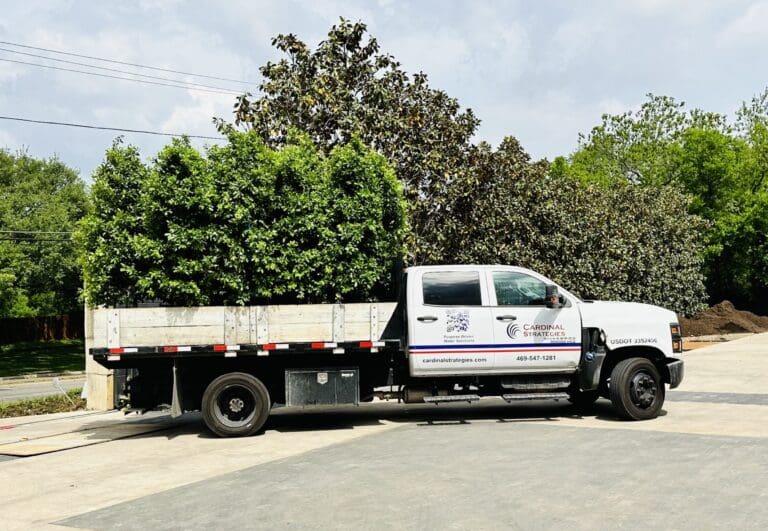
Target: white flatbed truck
456 334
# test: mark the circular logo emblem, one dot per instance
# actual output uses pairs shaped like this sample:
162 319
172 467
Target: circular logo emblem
513 330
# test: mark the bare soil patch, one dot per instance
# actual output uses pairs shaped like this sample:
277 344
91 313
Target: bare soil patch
723 318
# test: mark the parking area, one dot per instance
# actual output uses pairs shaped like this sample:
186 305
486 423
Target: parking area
701 465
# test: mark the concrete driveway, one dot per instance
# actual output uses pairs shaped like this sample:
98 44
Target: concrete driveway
702 465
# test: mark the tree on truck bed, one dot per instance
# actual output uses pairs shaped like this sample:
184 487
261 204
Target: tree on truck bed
243 224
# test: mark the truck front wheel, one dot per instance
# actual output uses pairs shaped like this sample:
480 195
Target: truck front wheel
636 389
235 404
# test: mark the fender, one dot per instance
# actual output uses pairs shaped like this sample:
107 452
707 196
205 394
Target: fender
631 325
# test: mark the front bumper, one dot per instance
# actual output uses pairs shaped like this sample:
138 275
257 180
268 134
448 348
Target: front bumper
676 369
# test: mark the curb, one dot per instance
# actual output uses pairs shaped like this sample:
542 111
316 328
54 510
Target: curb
40 375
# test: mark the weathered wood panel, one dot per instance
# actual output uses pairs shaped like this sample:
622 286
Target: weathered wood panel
238 325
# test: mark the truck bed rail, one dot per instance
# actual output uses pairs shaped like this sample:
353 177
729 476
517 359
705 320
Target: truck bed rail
232 351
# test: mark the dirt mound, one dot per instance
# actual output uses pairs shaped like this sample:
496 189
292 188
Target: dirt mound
723 318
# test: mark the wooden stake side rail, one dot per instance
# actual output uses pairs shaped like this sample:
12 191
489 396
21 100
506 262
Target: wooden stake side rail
232 351
255 326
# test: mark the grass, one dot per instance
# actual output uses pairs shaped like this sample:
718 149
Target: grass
17 359
47 404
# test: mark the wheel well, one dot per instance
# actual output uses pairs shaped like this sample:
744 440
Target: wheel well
613 358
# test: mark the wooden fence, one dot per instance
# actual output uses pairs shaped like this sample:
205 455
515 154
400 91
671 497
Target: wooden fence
42 328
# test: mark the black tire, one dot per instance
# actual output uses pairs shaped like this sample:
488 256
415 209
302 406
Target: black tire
636 389
583 399
235 404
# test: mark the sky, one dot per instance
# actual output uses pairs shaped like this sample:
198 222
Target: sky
541 71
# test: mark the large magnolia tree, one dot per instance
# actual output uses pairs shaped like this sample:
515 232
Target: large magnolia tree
347 86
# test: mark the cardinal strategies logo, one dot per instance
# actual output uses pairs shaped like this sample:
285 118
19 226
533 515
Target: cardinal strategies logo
513 330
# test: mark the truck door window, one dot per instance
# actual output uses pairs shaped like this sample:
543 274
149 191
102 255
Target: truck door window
451 288
518 289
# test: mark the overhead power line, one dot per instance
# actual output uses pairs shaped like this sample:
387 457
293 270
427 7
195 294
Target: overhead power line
102 128
23 239
180 81
225 91
137 65
34 232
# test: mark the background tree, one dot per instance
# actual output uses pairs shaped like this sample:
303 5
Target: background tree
347 87
244 223
721 165
38 276
604 242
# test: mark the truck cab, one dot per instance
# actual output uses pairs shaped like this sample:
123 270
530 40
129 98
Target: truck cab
534 335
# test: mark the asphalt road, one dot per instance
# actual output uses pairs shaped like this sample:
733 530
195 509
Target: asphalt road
485 474
701 465
17 391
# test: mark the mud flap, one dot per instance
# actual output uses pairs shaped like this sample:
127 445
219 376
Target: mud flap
676 370
176 409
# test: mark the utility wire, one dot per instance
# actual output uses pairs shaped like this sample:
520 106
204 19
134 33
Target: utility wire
35 240
228 92
34 232
125 63
86 126
118 70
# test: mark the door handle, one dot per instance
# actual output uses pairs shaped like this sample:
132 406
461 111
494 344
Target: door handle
427 318
506 318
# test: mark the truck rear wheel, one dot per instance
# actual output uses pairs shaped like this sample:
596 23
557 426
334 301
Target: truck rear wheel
235 404
636 389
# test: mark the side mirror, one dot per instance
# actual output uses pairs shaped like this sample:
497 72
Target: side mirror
553 297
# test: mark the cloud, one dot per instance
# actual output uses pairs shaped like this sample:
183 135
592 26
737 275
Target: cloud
195 117
547 124
749 28
7 140
437 54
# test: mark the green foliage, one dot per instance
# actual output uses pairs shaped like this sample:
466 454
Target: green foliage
43 405
638 147
346 87
722 166
29 357
605 242
463 198
38 277
243 223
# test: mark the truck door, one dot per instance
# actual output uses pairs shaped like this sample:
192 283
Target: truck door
528 336
449 323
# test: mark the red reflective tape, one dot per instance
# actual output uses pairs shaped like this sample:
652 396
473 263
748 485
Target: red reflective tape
318 345
118 350
219 348
366 344
269 346
170 349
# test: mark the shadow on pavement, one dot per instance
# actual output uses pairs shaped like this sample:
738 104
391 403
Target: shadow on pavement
292 419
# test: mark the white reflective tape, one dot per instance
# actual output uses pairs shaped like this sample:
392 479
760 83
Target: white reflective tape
263 353
378 343
183 349
113 358
130 349
282 346
230 354
338 351
233 347
331 345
